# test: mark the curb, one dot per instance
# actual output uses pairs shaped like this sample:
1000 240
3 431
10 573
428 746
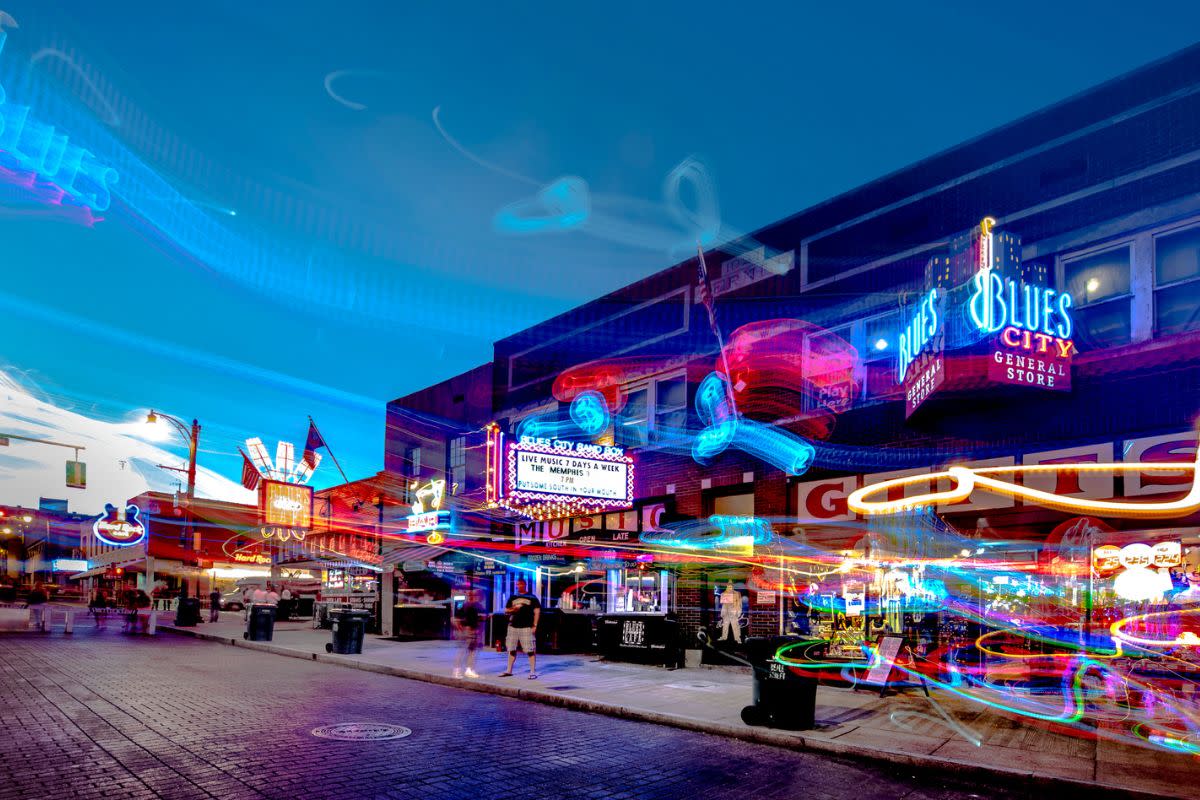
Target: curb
766 736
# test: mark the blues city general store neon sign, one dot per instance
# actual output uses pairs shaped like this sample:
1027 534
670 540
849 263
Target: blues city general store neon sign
1031 326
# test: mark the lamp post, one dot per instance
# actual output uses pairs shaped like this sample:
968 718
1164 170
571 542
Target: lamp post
192 436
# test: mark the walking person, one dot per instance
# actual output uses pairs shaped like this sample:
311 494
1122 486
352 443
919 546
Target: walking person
524 611
285 603
214 604
467 622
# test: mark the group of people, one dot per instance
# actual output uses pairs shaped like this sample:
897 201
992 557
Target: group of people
284 601
129 601
523 612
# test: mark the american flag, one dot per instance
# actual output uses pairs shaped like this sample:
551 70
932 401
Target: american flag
705 295
311 444
250 474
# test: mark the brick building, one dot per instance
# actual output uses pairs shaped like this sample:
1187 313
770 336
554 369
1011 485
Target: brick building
1095 197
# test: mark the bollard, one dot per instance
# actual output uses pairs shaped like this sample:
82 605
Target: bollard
152 623
68 621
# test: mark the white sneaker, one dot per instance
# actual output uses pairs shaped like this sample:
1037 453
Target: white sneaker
458 673
472 673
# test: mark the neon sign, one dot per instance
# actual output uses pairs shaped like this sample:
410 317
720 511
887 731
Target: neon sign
965 480
427 514
286 509
119 527
38 148
919 331
998 303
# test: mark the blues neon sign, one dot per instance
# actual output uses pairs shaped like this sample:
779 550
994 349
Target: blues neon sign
997 303
38 148
921 328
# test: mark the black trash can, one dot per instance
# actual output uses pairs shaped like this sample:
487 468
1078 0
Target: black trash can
188 613
348 630
782 698
260 625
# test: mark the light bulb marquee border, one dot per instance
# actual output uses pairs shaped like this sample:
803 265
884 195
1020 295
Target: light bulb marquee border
501 477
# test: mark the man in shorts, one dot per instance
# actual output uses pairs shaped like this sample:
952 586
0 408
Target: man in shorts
523 612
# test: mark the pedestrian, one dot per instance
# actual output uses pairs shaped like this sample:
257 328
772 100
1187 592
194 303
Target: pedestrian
272 595
467 621
214 604
285 603
524 611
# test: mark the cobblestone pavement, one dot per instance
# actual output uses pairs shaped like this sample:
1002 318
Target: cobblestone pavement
100 714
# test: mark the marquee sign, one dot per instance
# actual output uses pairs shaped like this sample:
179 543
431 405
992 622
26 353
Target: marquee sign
286 509
554 478
120 527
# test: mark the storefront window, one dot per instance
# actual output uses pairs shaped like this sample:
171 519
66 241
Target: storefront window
639 590
1177 282
579 591
1100 286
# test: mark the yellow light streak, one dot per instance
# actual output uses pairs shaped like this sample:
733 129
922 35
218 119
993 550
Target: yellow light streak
966 480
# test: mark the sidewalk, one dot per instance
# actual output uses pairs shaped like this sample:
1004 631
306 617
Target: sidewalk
905 729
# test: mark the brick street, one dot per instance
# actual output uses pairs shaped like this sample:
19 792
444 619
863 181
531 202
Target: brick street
105 715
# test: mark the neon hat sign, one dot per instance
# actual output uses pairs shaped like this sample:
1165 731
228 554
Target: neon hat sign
119 527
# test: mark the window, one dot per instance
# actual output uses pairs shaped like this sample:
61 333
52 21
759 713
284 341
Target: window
1177 282
1100 286
458 463
734 505
828 369
632 429
879 356
670 403
628 330
653 410
412 461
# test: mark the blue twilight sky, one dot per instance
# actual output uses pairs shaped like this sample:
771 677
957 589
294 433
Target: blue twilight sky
313 121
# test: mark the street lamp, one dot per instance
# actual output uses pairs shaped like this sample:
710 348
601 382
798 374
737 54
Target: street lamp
193 439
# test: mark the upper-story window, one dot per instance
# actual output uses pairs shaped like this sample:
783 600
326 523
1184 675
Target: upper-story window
824 370
1100 284
458 462
652 408
412 461
1177 282
878 355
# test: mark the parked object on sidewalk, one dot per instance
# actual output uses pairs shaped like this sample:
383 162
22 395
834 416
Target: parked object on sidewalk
349 627
260 627
188 613
639 638
782 697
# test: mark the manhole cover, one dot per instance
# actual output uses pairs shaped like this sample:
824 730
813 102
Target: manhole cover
361 732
